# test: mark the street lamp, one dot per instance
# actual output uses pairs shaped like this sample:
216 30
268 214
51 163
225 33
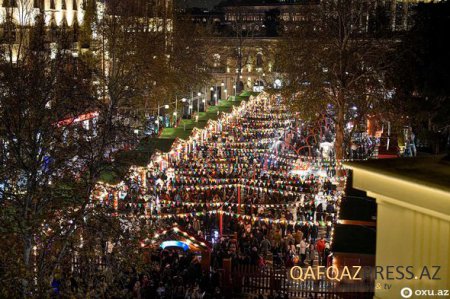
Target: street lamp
191 103
183 100
175 115
159 107
212 89
199 94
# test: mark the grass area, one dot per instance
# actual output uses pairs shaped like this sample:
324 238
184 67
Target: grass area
243 96
140 156
186 126
110 176
247 93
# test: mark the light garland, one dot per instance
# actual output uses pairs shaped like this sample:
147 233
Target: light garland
253 218
338 211
266 123
219 204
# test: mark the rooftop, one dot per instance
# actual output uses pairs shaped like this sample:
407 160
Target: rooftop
433 171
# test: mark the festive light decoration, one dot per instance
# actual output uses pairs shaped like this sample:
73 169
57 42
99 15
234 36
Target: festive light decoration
218 204
219 147
236 215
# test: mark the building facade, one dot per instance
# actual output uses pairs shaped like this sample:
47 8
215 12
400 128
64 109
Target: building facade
57 12
255 28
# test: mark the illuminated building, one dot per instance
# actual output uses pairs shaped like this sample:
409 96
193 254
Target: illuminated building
17 16
56 12
265 22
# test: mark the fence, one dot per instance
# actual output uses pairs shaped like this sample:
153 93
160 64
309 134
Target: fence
252 280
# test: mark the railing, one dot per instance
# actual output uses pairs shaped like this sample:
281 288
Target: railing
254 280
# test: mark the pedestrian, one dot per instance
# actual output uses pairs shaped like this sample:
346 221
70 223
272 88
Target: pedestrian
326 253
311 254
298 237
320 246
265 246
302 252
137 290
314 233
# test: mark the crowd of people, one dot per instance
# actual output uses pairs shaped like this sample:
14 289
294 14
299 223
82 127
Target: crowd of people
252 181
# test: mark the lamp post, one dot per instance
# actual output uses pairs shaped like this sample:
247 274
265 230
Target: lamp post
192 103
223 85
199 94
159 107
204 99
176 111
183 100
264 78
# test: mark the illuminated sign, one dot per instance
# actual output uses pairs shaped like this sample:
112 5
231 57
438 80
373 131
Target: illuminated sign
180 244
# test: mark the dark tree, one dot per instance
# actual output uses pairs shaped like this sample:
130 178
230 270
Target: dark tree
335 65
421 74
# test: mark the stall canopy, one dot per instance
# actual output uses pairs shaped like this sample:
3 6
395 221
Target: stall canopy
175 237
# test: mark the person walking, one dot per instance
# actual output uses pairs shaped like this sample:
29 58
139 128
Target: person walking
298 237
303 247
314 233
320 246
311 254
264 246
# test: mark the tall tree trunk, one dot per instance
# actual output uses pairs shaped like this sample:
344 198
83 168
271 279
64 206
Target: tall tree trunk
26 281
340 125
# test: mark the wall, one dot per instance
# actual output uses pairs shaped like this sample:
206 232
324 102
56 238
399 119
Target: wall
413 229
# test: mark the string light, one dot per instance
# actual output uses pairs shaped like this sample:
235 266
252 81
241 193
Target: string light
181 148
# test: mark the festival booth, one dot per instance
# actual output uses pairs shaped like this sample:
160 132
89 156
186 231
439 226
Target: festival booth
176 149
182 241
138 174
160 160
